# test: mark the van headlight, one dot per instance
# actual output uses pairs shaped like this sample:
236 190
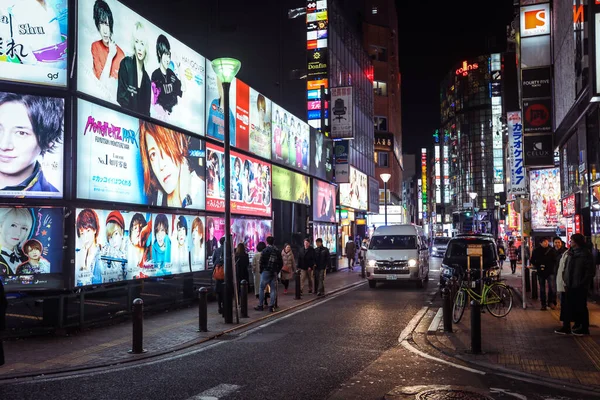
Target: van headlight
372 263
434 248
412 262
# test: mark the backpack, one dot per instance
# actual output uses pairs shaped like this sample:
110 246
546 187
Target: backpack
275 262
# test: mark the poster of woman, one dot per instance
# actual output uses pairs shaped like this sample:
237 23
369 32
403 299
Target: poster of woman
260 124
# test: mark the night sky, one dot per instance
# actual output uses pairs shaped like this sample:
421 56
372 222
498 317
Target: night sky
448 33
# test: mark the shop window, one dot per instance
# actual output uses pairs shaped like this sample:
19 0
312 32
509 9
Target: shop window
382 159
380 123
380 88
378 53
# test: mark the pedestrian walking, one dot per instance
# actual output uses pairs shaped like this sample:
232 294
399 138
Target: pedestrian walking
306 264
322 263
501 253
513 256
289 266
270 266
242 263
578 276
350 253
218 260
3 305
256 267
543 260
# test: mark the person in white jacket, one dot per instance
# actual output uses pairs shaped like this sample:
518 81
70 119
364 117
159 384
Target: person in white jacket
561 290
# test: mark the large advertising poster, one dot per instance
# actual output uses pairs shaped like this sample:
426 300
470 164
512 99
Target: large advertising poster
324 206
215 113
545 199
290 139
31 147
260 124
249 231
242 115
32 248
33 41
250 183
321 154
342 119
124 59
123 159
326 232
356 193
114 246
518 184
290 186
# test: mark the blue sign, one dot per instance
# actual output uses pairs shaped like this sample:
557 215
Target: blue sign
316 114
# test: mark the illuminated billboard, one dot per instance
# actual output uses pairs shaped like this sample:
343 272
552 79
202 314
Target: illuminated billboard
32 248
324 205
124 59
291 137
123 159
544 185
327 232
438 174
356 193
31 153
290 186
535 20
250 183
342 119
321 155
317 62
114 246
260 124
33 41
424 180
518 184
215 114
497 137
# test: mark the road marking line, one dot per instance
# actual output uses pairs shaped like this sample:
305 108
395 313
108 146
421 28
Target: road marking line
412 324
435 322
414 350
23 316
216 392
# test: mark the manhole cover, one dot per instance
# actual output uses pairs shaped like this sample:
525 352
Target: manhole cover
449 394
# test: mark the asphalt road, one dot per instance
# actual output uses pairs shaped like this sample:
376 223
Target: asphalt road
341 347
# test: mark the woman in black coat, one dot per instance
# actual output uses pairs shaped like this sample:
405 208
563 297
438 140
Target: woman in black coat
242 264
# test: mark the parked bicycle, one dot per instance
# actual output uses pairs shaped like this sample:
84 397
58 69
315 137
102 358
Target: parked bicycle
496 296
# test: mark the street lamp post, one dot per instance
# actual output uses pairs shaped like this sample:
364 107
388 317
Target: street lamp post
385 178
473 196
226 69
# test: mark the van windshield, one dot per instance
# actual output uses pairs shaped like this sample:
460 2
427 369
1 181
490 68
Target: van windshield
393 242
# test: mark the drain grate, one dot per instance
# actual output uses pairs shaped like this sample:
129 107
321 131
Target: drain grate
450 394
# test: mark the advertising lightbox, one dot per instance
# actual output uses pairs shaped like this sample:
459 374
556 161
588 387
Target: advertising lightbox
123 159
115 246
535 20
260 124
290 139
32 248
321 153
327 232
324 204
356 193
249 231
33 41
215 126
545 199
115 44
250 183
342 119
290 186
31 153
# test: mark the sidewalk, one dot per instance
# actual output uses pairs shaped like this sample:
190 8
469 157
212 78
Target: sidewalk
163 333
524 341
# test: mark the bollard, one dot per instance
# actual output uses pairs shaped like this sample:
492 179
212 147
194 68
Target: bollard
202 310
138 327
362 268
447 309
534 285
475 327
298 283
244 298
525 271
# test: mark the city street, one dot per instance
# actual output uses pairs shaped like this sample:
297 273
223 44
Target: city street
344 346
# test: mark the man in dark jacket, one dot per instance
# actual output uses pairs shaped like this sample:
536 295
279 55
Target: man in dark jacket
578 275
3 305
322 262
543 260
270 265
306 264
218 258
350 252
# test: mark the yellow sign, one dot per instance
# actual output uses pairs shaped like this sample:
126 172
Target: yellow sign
475 250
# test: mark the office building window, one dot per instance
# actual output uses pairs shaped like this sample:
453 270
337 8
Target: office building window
380 123
382 159
374 10
380 88
378 53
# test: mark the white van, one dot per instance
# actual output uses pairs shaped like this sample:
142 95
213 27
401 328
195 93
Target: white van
398 252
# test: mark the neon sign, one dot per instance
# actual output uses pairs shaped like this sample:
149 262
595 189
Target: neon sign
466 67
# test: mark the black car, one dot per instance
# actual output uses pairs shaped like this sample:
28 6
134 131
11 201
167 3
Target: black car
455 261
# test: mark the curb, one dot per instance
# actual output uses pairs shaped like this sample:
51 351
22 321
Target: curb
180 347
492 368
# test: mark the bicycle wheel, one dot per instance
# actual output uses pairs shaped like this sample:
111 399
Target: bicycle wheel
498 300
460 302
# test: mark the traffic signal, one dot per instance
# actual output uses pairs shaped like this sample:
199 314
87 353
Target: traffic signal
468 214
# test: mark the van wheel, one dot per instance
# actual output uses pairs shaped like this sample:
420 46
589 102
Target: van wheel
372 284
420 284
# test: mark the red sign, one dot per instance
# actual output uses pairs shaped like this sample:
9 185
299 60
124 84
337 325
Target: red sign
568 205
466 67
250 183
242 116
537 115
577 223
